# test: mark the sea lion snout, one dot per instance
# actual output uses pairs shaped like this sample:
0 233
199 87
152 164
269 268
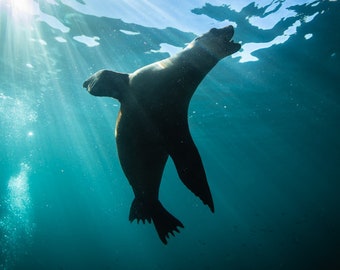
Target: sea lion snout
218 42
229 30
226 32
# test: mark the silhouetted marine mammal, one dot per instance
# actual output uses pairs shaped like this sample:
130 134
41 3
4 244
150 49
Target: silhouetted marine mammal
152 123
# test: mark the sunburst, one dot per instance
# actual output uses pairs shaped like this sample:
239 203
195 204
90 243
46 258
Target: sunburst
22 10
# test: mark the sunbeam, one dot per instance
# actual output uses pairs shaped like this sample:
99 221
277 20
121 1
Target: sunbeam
22 12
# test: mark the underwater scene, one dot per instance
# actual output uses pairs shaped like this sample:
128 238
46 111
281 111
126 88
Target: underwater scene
265 120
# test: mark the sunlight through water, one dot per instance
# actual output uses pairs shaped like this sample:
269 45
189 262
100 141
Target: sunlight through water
22 11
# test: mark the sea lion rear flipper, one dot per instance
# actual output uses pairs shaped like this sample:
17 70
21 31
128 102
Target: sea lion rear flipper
164 222
190 168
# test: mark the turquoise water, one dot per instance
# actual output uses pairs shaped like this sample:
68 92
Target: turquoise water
266 122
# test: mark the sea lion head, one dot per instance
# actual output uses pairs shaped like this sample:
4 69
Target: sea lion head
218 42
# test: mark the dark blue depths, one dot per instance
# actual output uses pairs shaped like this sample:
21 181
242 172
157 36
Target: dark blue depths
268 133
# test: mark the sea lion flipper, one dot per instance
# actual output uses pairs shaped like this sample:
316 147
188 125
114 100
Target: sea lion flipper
164 222
107 83
190 169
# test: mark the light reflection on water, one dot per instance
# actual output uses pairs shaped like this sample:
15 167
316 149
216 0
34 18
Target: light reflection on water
274 13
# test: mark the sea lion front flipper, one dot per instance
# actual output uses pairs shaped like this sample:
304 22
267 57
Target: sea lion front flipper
190 167
107 83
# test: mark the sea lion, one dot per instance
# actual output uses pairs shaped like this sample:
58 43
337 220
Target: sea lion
152 123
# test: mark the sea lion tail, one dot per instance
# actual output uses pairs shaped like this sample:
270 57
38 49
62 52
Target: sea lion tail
164 222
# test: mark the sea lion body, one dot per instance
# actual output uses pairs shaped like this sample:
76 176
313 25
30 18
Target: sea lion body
152 123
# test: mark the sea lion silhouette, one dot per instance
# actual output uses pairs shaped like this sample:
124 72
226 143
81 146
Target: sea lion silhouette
152 123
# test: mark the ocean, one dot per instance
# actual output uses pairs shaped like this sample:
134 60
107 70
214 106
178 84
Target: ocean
265 120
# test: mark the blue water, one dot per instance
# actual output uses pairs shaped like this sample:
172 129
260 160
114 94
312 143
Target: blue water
266 122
